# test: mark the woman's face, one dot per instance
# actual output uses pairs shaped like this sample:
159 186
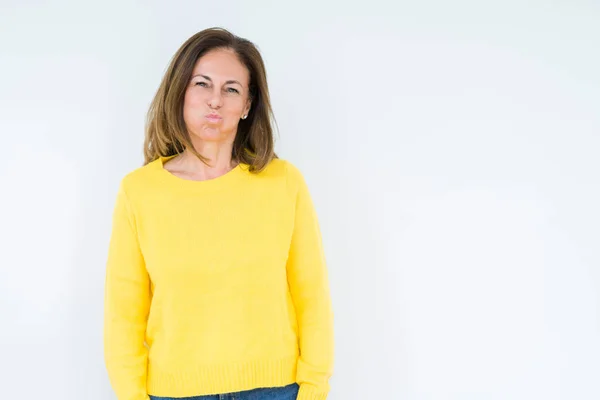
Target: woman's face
216 97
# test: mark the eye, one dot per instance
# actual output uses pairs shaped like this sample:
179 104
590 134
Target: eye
232 90
203 84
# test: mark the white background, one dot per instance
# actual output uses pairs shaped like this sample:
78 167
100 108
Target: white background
452 150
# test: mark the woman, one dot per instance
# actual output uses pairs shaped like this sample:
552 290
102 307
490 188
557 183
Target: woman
216 284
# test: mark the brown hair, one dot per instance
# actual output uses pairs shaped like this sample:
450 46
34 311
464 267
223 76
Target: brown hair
166 132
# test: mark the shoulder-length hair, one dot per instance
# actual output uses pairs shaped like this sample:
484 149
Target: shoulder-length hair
166 131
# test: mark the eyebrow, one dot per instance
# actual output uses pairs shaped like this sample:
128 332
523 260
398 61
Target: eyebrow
208 79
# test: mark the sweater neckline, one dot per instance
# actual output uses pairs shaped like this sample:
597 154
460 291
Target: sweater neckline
227 179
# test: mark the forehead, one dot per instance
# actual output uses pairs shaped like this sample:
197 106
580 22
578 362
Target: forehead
221 64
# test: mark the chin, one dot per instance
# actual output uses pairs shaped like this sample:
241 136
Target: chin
212 134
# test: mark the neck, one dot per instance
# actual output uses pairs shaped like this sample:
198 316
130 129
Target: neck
219 163
217 155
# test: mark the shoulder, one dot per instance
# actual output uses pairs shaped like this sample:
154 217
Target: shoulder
284 169
140 178
288 173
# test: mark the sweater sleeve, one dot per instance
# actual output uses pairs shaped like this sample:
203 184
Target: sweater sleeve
126 305
309 287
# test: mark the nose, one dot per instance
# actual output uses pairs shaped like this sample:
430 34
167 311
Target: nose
215 99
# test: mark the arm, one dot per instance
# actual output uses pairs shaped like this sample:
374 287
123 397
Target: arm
309 287
126 305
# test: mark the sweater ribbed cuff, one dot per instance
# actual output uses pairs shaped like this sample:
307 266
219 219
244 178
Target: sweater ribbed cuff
308 392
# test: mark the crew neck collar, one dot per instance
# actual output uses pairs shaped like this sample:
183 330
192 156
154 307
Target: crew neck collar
229 178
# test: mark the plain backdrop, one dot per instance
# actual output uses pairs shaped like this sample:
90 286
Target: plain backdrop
452 149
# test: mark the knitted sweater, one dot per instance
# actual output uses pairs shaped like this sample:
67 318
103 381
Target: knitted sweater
216 286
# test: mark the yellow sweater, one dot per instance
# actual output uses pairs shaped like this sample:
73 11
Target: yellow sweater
216 286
